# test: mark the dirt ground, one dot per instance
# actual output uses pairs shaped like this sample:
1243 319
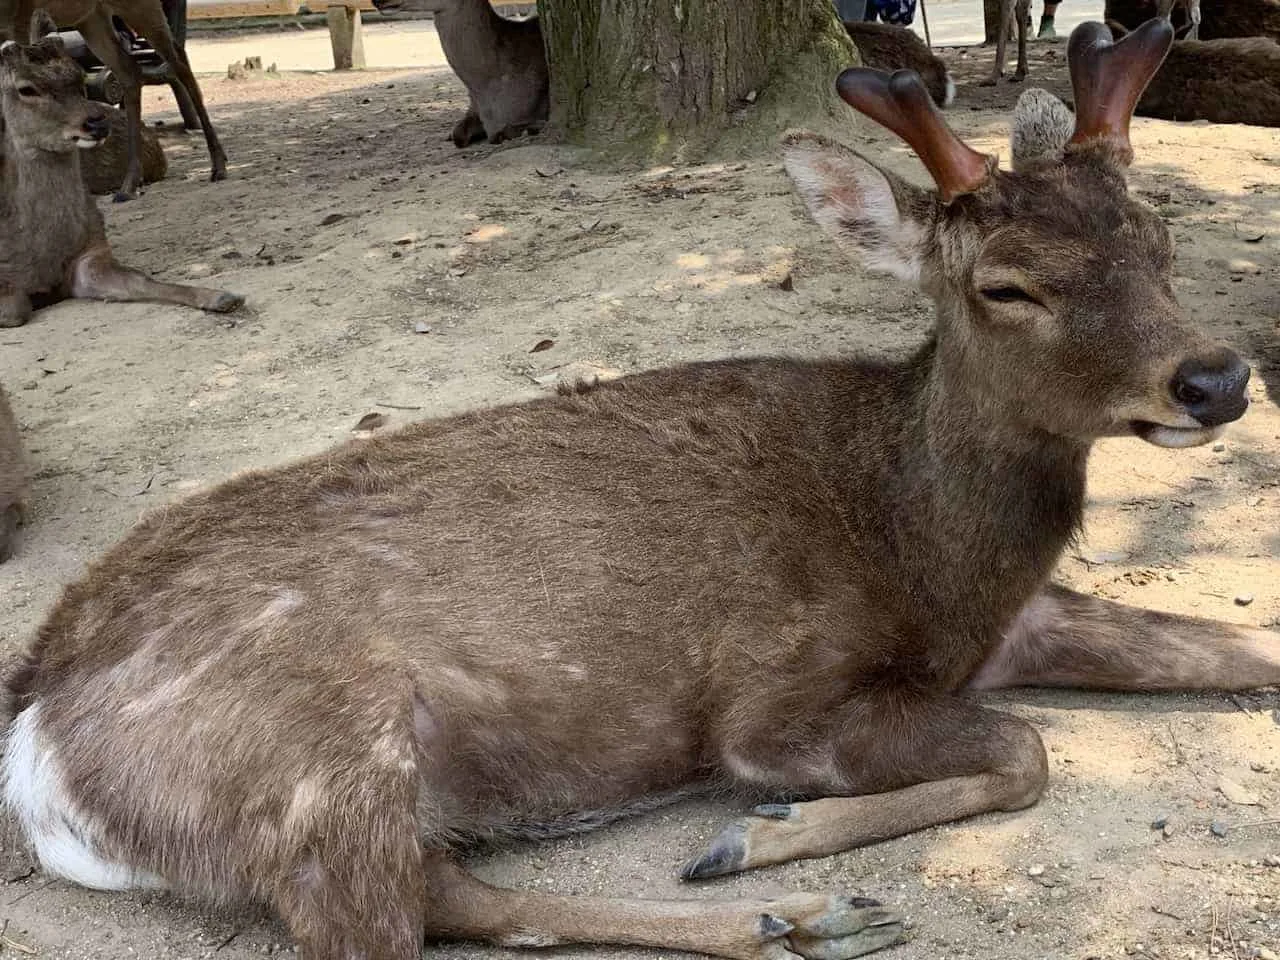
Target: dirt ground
387 272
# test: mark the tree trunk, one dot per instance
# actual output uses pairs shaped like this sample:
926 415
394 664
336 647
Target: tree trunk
668 79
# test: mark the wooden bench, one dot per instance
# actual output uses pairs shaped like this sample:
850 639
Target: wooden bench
346 33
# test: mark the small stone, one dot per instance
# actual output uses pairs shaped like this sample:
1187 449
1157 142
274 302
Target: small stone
1244 599
1218 828
1219 447
1272 861
1159 823
1167 831
422 327
1035 870
1264 953
404 241
199 270
1236 793
1240 266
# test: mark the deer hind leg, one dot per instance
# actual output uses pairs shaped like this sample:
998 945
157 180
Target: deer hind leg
889 766
150 22
1002 42
1022 12
102 39
95 275
459 906
1067 639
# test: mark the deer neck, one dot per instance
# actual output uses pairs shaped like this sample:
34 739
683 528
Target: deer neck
972 517
37 182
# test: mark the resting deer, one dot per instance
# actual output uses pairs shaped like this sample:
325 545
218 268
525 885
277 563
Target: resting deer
54 245
1010 10
312 685
501 62
884 46
13 479
92 18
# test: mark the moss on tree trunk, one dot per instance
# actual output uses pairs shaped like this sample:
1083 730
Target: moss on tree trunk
671 79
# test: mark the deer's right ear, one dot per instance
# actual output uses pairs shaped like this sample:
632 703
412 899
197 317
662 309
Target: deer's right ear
879 217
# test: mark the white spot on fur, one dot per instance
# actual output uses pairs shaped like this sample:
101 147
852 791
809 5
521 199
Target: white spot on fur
528 938
298 816
284 603
65 840
747 771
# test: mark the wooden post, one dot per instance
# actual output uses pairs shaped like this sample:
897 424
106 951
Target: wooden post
347 37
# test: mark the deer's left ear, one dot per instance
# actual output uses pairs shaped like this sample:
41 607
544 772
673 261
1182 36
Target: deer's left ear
879 217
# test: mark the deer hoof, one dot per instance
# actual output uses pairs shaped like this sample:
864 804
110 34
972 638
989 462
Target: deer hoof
225 303
727 854
217 175
1018 77
849 928
123 196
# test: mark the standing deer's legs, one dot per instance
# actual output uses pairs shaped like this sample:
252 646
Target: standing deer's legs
802 925
1022 11
1002 42
1193 13
1068 639
10 520
95 275
102 39
889 764
150 22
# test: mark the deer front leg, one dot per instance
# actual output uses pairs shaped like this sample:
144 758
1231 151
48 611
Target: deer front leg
103 40
95 275
468 130
1002 40
818 927
889 764
1068 639
1022 12
1193 12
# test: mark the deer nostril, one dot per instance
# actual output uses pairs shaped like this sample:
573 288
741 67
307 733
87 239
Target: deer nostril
1212 389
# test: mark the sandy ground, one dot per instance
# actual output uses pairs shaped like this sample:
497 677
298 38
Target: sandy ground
125 408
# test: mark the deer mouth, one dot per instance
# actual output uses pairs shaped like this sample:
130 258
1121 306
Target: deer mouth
1160 435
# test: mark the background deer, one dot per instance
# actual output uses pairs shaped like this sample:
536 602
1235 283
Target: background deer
93 19
54 245
1010 11
13 479
312 685
883 46
501 62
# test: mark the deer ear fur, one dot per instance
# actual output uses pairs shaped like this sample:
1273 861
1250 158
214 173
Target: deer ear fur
873 214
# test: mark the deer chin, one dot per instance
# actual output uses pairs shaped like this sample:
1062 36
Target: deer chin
1174 437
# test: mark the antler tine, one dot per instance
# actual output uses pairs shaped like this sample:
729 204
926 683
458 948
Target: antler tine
1108 77
901 103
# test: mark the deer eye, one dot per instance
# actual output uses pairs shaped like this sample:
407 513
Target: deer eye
26 90
1009 295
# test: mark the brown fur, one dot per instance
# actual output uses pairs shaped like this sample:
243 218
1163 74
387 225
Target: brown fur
92 18
311 685
54 245
888 47
1226 81
13 479
1219 18
501 62
103 168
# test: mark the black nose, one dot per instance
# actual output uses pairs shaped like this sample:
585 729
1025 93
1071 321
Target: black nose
97 127
1212 389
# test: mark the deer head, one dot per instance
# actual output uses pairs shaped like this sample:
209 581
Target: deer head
42 90
1053 286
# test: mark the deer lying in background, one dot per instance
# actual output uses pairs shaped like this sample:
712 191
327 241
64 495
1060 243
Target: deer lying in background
883 46
13 479
501 62
54 245
92 18
105 167
312 685
1213 19
1232 80
1011 11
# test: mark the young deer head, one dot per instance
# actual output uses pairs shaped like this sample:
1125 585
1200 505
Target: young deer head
42 90
1055 305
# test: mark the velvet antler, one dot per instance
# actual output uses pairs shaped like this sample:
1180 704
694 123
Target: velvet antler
1108 77
901 103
